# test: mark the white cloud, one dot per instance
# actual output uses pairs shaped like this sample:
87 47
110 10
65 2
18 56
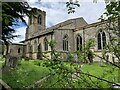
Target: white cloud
20 31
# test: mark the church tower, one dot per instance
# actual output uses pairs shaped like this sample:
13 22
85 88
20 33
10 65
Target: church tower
36 23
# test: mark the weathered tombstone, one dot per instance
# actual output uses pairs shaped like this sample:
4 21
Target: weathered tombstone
11 61
101 62
75 57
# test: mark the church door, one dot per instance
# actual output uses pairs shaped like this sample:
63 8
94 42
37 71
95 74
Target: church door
39 54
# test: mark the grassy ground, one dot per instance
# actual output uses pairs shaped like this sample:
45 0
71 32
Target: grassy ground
27 73
107 72
104 71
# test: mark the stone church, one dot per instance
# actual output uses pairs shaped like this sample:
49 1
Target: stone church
70 35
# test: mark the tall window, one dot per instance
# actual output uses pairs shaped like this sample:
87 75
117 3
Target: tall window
101 39
35 46
40 19
39 48
45 44
79 43
65 43
18 50
30 48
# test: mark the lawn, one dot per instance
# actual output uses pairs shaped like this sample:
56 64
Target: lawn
106 71
27 73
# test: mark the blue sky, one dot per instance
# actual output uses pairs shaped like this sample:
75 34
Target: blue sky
56 12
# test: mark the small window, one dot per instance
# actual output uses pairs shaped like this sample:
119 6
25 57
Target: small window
40 19
18 50
65 43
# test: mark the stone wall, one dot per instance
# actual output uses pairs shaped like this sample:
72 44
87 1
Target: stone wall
17 50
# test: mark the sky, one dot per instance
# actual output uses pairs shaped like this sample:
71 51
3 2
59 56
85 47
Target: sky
56 12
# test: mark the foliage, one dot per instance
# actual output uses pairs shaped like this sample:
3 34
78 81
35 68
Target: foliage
72 5
58 81
12 14
2 61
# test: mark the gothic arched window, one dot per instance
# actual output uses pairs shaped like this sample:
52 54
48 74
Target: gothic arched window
40 19
30 48
35 46
65 43
18 50
45 44
79 43
39 48
101 39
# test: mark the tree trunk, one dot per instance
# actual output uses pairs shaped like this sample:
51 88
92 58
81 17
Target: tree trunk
6 54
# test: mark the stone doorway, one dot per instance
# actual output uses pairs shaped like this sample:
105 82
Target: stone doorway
39 54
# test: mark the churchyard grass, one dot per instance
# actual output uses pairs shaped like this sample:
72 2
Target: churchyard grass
104 71
27 73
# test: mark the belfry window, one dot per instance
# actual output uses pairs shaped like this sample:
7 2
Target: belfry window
45 44
79 43
40 19
101 40
65 43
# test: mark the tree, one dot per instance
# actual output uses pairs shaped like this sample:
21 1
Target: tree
111 18
13 13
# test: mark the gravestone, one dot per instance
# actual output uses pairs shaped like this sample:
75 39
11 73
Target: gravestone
11 61
75 57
